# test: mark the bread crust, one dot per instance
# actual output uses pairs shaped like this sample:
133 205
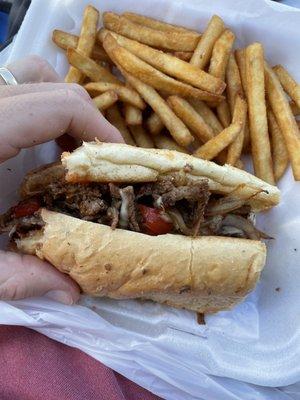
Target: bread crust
204 274
116 162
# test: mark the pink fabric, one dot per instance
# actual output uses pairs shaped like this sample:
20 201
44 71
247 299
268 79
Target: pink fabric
33 367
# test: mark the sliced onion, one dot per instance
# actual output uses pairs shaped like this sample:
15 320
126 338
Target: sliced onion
213 223
232 201
245 225
232 231
179 223
224 205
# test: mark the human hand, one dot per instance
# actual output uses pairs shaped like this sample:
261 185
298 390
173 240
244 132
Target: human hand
29 115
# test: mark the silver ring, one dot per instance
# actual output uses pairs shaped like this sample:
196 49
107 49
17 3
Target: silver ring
7 76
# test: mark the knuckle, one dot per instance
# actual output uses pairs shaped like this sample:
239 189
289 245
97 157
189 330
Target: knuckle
79 89
41 66
8 291
72 96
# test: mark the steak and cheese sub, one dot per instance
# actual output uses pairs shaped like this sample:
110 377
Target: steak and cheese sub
127 222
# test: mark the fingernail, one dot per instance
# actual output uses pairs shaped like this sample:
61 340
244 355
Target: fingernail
60 296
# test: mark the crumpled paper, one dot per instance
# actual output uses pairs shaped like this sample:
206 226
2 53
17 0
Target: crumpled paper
164 349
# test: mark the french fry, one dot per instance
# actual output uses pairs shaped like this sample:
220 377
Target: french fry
288 83
279 152
65 40
169 64
207 114
183 55
154 124
260 143
115 118
159 25
220 54
295 109
233 81
285 119
239 116
191 118
205 45
125 94
163 141
214 146
89 67
151 76
235 93
217 68
176 127
223 113
86 41
167 40
105 100
141 137
240 57
133 115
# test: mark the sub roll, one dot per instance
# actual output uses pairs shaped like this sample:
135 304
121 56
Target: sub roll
133 223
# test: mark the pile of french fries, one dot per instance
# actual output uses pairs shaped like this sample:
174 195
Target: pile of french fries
170 87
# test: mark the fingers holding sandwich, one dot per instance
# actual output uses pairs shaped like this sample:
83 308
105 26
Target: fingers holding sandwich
27 276
34 118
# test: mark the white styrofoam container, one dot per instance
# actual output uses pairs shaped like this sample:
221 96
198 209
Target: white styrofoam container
163 349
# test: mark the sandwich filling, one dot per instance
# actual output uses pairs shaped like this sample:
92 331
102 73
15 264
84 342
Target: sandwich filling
171 205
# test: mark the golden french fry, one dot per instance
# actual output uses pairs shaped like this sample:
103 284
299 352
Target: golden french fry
151 76
141 137
105 100
90 68
125 94
239 116
154 124
279 152
235 94
285 119
133 115
223 113
220 54
177 41
260 143
217 67
157 24
288 83
183 55
214 146
169 64
86 41
163 141
295 109
233 81
240 57
205 45
65 40
207 114
191 118
114 116
176 127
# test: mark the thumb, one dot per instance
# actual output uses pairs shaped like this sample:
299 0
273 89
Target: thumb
24 276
